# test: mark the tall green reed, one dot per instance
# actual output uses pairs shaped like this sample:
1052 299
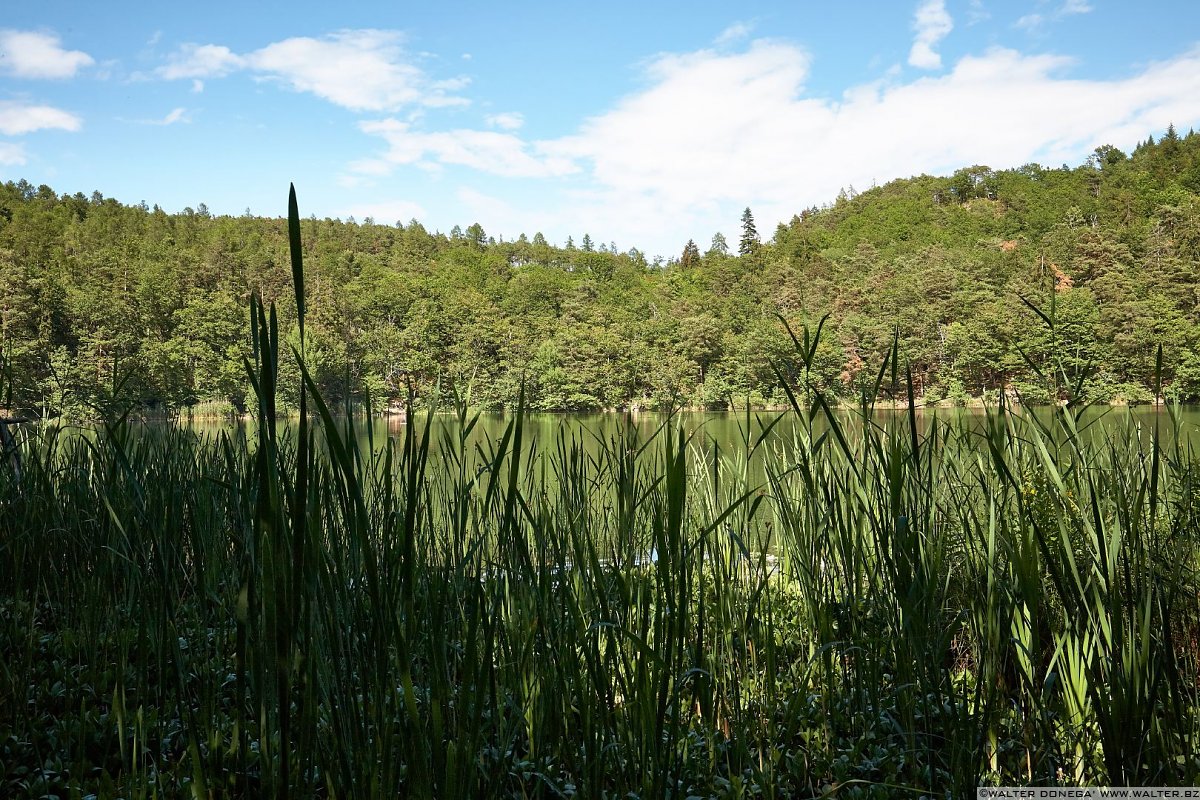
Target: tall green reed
893 606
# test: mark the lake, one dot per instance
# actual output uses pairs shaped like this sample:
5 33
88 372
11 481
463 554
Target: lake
724 433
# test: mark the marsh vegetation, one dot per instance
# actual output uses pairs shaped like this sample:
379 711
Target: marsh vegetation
868 610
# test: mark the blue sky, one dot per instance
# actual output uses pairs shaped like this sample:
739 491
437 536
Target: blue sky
643 124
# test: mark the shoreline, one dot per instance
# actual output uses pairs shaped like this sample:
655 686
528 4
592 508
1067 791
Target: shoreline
399 416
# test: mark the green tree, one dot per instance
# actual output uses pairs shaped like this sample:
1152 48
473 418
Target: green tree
691 255
475 235
749 243
719 246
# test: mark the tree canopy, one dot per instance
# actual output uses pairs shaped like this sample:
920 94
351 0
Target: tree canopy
101 301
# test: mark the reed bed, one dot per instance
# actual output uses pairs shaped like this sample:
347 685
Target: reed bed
891 612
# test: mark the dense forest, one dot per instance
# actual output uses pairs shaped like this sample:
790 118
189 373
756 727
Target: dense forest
103 303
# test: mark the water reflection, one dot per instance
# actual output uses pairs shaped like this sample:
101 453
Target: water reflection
728 432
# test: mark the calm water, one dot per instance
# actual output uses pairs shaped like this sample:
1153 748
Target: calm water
726 430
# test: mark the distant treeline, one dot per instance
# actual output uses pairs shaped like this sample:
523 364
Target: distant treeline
103 303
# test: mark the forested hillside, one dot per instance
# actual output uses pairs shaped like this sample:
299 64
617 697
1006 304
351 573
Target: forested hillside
102 302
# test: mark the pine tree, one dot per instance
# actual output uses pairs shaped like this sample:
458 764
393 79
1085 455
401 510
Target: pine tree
1170 142
719 245
749 242
691 255
587 243
475 235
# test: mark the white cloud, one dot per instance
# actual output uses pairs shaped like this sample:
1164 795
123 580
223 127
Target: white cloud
362 70
932 23
374 167
1034 21
20 118
976 13
104 70
197 85
31 54
201 61
509 121
484 206
644 178
1030 21
12 154
172 117
452 85
734 33
728 91
356 69
488 151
